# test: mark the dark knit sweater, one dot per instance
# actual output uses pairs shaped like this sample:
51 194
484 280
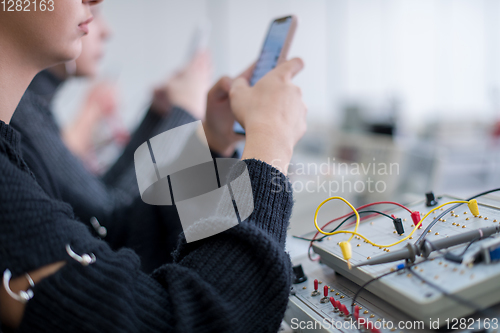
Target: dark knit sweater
236 281
150 230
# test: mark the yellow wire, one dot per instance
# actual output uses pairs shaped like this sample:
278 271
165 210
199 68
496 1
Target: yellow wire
333 233
355 232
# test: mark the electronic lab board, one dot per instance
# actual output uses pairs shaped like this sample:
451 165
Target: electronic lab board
479 283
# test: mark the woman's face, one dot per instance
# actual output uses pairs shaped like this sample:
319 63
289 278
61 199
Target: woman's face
44 38
93 44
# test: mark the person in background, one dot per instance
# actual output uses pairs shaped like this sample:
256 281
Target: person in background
102 100
236 281
99 107
112 205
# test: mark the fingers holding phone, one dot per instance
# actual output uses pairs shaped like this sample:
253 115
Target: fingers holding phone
289 69
273 101
273 113
264 100
219 120
274 51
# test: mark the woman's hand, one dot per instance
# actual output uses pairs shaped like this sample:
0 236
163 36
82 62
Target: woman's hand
272 113
187 88
102 101
219 121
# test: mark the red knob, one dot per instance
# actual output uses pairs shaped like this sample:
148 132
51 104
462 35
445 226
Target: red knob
332 300
325 291
356 310
316 284
415 216
338 304
344 310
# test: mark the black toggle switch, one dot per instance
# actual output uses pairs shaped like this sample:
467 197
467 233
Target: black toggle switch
398 224
298 272
430 199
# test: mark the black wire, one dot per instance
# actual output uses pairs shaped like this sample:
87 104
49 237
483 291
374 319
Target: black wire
444 253
459 299
469 245
308 239
426 231
377 278
456 298
344 221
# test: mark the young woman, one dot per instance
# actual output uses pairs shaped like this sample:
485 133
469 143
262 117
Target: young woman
111 205
236 281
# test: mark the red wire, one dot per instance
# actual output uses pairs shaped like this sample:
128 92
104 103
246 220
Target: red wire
346 215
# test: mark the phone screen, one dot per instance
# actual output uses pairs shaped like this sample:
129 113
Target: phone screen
270 54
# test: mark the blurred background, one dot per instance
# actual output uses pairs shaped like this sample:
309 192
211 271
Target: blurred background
410 82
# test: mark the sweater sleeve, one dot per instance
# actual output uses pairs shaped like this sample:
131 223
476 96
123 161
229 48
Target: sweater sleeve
150 230
122 172
236 281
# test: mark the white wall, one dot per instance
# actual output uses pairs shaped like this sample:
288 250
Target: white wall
439 57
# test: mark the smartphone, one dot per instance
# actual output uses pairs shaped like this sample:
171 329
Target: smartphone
275 50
